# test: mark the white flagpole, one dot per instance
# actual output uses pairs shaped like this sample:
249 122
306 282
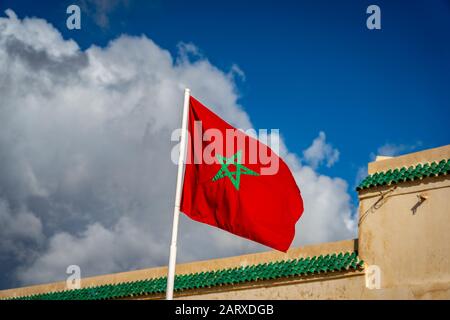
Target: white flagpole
176 209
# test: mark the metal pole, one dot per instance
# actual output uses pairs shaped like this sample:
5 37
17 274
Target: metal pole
176 209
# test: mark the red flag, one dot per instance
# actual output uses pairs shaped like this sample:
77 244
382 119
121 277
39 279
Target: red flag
236 183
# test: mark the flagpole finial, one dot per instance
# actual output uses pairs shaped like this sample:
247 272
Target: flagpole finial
187 90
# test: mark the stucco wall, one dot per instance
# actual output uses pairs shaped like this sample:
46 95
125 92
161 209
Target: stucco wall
409 238
334 287
410 246
346 286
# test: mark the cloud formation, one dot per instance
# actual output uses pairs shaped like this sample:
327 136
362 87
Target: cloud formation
85 167
392 149
320 152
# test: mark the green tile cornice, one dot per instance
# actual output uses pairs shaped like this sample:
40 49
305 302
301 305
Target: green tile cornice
405 174
309 266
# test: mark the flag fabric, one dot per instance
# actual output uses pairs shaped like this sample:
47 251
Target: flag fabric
226 187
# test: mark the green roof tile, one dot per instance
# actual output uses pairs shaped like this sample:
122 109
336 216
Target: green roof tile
263 271
404 174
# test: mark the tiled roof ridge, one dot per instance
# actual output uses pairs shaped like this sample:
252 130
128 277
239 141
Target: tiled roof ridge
403 174
304 266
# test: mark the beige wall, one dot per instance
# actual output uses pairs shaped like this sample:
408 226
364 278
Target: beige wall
409 239
340 286
334 287
409 247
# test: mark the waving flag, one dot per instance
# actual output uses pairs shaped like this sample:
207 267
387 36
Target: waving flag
236 183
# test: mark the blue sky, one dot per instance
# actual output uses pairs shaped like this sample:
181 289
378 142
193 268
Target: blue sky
78 188
309 65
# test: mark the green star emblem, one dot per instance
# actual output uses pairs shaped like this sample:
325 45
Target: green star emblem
234 176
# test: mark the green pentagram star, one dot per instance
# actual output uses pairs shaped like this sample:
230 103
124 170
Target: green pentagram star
235 176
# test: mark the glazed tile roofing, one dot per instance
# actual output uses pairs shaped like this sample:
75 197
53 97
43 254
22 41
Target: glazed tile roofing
404 174
264 271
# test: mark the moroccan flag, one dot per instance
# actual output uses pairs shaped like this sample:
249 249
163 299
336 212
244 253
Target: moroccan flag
236 183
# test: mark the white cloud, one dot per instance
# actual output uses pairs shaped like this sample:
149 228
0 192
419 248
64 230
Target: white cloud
321 152
21 233
97 250
85 156
392 149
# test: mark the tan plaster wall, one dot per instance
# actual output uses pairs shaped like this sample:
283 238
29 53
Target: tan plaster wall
408 239
333 287
326 287
350 286
409 247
